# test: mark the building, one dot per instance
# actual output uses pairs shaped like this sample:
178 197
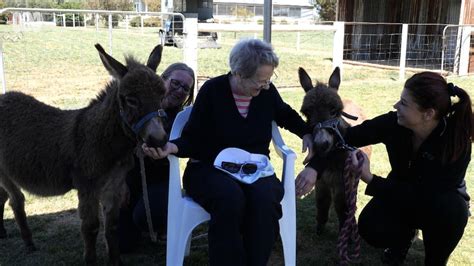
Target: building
284 9
230 9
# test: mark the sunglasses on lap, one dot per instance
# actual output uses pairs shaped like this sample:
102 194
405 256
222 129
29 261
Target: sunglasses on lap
245 168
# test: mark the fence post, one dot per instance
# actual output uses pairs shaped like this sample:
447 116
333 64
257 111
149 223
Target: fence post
64 20
338 45
2 68
190 45
110 33
298 39
464 50
403 52
73 20
97 22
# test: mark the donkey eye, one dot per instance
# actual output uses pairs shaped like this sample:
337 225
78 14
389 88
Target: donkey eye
132 101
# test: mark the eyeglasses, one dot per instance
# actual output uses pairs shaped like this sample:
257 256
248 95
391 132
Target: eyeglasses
245 168
176 84
267 82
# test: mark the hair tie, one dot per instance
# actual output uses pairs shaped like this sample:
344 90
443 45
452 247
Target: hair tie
453 94
452 89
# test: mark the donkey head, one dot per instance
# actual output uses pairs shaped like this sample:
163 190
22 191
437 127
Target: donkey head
140 91
322 108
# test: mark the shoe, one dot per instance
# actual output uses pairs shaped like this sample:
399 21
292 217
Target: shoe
396 256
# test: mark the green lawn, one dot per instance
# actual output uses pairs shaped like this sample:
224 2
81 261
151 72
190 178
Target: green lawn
61 67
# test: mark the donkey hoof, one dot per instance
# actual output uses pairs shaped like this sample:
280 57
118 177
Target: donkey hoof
320 229
116 263
31 248
3 233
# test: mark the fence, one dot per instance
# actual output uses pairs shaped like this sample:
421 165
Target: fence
46 49
437 47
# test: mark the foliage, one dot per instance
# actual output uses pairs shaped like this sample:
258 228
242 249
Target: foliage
153 5
31 3
242 13
326 9
147 22
70 5
124 5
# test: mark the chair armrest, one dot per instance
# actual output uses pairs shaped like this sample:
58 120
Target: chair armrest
289 157
175 187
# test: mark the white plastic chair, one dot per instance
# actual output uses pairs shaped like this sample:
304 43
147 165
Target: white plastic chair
184 214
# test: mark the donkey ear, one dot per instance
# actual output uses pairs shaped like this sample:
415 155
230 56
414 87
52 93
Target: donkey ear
155 57
115 68
335 79
305 80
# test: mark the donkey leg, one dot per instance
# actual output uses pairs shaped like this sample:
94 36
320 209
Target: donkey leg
323 202
340 205
89 214
111 197
3 200
17 203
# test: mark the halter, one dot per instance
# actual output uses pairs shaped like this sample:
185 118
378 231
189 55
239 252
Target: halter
333 125
139 125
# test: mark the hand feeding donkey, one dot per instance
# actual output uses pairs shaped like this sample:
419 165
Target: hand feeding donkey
47 151
323 109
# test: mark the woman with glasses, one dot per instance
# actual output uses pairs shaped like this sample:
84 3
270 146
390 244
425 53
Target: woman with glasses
179 82
236 110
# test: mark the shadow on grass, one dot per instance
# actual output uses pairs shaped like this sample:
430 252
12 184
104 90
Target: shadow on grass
321 250
58 239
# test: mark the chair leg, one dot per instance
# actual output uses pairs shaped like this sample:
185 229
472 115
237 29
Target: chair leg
288 239
188 245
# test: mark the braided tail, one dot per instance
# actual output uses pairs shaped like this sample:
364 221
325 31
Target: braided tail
349 231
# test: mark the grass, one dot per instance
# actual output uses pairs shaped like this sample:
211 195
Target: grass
61 67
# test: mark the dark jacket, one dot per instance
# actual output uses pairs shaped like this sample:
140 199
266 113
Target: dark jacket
215 123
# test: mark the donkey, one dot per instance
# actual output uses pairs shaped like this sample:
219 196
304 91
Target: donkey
47 151
323 109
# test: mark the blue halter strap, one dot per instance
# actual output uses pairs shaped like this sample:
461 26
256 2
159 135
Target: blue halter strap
139 125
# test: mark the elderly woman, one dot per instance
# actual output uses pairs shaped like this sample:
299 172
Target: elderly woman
237 110
179 82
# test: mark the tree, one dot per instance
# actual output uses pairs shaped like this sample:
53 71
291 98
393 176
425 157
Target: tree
154 5
124 5
326 9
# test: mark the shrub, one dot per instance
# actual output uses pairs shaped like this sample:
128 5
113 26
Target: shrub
147 22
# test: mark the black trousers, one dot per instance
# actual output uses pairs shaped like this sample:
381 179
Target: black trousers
244 217
389 223
133 221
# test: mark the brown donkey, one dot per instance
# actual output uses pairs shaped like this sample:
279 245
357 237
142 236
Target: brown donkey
325 111
47 151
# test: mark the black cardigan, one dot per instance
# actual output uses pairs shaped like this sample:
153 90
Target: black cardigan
215 123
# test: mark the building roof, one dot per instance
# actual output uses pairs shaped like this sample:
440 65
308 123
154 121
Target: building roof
307 3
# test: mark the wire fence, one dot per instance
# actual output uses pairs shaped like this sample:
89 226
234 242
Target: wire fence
43 50
438 47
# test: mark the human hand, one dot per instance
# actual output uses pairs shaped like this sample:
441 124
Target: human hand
305 181
159 153
307 145
356 157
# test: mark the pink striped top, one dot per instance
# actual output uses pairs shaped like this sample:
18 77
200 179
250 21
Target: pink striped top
242 102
